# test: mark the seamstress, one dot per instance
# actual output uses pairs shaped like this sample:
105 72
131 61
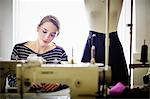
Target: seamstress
96 11
47 29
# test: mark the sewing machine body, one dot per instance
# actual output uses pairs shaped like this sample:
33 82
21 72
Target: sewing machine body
81 79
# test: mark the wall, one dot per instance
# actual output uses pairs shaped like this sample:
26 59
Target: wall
6 28
142 25
142 31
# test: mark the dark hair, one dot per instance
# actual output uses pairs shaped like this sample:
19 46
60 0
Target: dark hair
50 18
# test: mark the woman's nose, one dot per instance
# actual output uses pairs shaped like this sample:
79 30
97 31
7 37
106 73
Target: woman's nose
47 36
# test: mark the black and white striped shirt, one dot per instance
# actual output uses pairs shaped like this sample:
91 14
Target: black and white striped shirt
21 52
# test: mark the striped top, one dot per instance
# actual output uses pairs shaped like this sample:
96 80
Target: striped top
21 52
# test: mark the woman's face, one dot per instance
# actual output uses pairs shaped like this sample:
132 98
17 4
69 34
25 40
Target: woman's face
46 33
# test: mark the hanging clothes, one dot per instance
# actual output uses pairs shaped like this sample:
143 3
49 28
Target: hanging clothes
116 55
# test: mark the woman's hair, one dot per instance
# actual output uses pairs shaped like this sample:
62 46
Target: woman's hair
50 18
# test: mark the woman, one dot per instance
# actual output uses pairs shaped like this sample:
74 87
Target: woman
43 47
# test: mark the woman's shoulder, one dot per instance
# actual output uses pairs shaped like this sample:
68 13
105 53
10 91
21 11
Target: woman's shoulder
59 48
20 44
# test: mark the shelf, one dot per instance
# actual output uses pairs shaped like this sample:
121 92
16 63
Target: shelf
139 65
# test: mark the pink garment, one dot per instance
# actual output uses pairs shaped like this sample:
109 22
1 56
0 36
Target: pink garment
117 89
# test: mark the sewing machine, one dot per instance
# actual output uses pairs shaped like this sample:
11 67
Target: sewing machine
7 67
82 79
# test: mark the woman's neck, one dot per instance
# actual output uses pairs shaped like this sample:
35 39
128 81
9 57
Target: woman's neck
35 46
42 49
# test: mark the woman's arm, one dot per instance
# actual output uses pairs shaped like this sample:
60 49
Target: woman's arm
14 54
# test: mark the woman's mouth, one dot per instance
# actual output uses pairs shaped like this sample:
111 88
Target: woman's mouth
46 41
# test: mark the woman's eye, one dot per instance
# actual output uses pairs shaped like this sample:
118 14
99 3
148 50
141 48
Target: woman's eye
53 34
44 32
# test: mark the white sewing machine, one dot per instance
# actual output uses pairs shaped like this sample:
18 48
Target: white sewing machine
82 79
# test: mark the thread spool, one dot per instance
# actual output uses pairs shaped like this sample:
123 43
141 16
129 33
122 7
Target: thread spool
93 55
144 53
72 60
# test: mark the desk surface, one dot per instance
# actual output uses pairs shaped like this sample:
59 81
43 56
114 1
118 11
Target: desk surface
31 96
41 96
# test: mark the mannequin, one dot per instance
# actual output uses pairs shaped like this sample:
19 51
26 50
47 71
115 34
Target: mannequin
96 11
